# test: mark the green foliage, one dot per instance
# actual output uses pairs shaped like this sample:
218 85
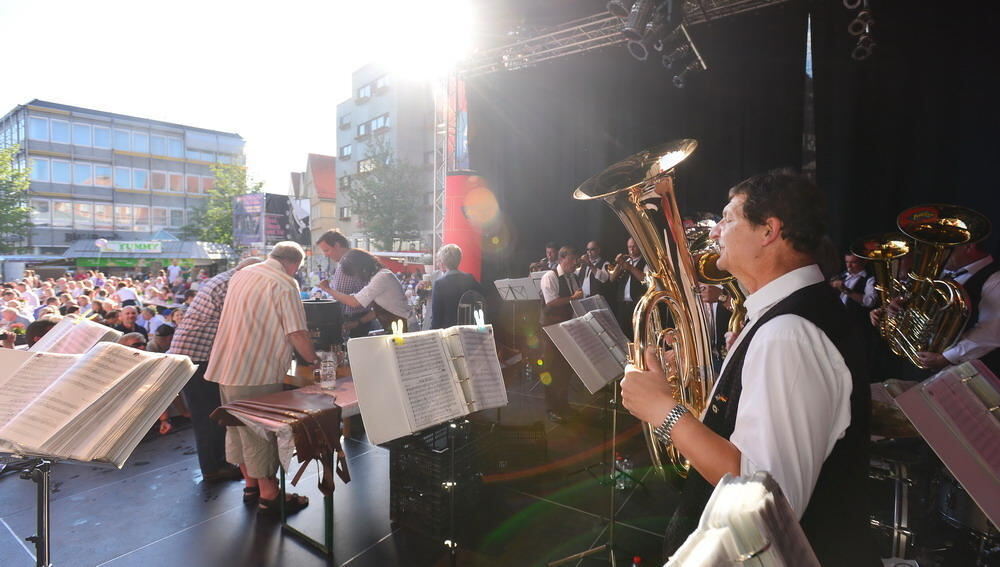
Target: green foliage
15 215
386 198
214 222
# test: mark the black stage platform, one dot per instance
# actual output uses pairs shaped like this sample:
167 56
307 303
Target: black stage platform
157 512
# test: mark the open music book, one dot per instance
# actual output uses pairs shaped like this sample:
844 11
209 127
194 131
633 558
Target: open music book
594 345
74 335
518 289
410 382
95 406
588 304
747 521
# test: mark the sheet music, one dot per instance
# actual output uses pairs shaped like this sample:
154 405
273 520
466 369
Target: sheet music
605 324
74 335
80 385
29 379
588 304
429 381
10 361
594 348
480 364
968 413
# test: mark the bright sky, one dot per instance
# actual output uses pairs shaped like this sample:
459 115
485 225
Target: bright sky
271 72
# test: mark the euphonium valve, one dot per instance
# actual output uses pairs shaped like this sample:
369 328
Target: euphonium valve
640 190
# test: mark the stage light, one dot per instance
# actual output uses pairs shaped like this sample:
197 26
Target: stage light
863 50
861 27
638 17
680 79
678 55
619 8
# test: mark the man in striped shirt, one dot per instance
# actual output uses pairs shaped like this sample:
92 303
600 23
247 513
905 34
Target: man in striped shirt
334 245
262 321
193 338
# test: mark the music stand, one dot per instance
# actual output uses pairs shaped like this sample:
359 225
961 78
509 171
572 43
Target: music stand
513 290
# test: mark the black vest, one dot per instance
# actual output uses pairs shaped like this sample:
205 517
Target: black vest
836 518
974 287
637 288
559 313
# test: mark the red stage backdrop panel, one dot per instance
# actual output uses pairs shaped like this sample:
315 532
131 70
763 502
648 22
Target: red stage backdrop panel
458 229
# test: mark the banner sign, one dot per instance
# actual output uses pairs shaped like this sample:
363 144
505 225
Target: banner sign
248 216
133 247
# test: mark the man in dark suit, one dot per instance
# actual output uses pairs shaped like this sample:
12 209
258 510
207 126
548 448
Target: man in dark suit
448 289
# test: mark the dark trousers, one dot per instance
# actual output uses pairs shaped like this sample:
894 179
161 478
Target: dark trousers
202 397
557 390
625 310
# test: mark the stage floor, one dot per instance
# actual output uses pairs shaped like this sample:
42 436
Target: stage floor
157 512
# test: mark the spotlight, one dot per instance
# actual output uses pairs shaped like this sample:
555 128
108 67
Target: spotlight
637 19
619 8
861 23
676 56
863 50
680 79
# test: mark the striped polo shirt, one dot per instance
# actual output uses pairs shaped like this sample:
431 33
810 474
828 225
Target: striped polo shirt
262 308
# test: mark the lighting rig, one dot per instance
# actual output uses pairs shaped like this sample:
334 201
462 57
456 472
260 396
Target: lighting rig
861 28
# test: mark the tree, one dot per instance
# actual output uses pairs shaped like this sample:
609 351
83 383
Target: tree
15 215
386 196
214 222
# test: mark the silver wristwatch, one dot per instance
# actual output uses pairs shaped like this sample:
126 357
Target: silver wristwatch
664 430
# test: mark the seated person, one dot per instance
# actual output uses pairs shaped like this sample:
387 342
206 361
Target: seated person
382 292
448 289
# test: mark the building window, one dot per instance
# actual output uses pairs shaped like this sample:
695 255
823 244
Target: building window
193 184
102 138
122 140
160 218
225 158
102 175
381 83
123 178
345 152
62 213
83 215
207 184
38 128
363 130
344 121
141 213
359 243
345 213
60 171
140 143
365 92
140 179
158 145
177 182
345 182
59 131
83 174
102 217
41 212
81 135
39 169
366 165
176 217
175 148
380 123
158 181
123 217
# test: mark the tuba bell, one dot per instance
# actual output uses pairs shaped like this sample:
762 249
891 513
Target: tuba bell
640 190
936 310
705 253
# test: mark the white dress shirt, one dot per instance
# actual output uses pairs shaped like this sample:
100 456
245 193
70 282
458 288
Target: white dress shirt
851 280
599 269
795 403
628 283
985 336
385 290
550 284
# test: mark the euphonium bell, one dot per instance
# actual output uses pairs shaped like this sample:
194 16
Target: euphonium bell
705 253
640 190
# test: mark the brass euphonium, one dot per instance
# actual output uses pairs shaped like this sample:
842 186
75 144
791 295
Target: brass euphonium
640 190
885 253
936 310
705 252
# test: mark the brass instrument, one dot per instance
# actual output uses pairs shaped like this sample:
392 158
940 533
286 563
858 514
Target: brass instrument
935 310
705 252
640 190
616 268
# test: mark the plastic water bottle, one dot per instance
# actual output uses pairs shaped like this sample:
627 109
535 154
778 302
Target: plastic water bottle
636 561
617 475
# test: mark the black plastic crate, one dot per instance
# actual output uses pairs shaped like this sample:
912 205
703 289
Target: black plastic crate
509 449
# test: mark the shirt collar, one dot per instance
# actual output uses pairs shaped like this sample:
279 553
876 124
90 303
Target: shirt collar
781 287
275 265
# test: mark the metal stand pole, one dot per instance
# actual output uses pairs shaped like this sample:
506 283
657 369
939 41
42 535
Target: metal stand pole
450 486
608 547
39 474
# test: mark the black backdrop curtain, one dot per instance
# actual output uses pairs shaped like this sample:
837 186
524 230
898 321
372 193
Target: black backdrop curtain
536 134
917 122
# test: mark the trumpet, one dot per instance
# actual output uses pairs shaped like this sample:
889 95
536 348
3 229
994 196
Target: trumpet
539 266
616 268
